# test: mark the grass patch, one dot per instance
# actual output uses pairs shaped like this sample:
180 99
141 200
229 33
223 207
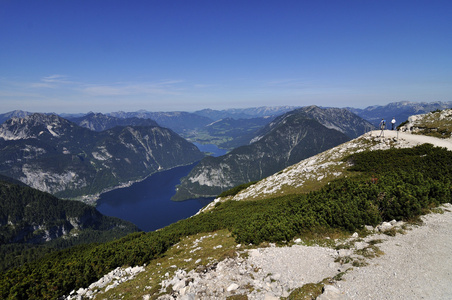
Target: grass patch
309 291
376 241
359 263
343 260
371 251
237 297
324 237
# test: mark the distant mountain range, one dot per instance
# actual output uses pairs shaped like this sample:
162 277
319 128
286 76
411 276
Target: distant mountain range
183 122
55 155
180 122
290 138
398 110
246 113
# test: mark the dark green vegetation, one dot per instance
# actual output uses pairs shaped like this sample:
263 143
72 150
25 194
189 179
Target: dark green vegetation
409 182
33 223
235 190
55 155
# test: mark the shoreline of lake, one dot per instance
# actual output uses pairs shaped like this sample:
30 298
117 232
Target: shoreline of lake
147 203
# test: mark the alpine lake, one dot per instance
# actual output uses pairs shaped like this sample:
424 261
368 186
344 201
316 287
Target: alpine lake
148 203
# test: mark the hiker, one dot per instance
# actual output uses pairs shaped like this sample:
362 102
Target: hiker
393 123
382 124
382 127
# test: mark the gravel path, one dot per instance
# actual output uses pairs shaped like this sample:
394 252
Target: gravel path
415 138
296 265
416 265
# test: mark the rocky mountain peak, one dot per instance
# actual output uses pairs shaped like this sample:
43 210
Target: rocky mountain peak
32 126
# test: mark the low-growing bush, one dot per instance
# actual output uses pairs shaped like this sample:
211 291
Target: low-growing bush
235 190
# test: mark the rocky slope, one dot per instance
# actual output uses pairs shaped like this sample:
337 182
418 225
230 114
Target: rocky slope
436 123
55 155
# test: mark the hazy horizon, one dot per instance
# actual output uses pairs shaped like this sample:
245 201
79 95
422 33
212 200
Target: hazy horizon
193 111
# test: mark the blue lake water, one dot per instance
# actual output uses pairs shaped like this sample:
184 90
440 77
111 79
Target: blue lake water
148 203
210 148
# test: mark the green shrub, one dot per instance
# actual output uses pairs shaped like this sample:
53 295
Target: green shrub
235 190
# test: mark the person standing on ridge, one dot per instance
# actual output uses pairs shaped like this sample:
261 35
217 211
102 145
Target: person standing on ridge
382 127
382 124
393 123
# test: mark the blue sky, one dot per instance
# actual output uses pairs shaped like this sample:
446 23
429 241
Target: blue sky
107 55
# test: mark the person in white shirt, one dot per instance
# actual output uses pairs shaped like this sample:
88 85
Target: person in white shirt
393 123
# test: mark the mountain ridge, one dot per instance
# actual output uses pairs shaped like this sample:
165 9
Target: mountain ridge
399 110
284 141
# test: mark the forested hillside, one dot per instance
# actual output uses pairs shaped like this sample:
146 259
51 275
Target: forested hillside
33 223
396 184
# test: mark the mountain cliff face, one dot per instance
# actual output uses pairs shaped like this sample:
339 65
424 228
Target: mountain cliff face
55 155
285 141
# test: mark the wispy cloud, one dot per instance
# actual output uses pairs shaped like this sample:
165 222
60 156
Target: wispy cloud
55 78
52 82
169 87
58 81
